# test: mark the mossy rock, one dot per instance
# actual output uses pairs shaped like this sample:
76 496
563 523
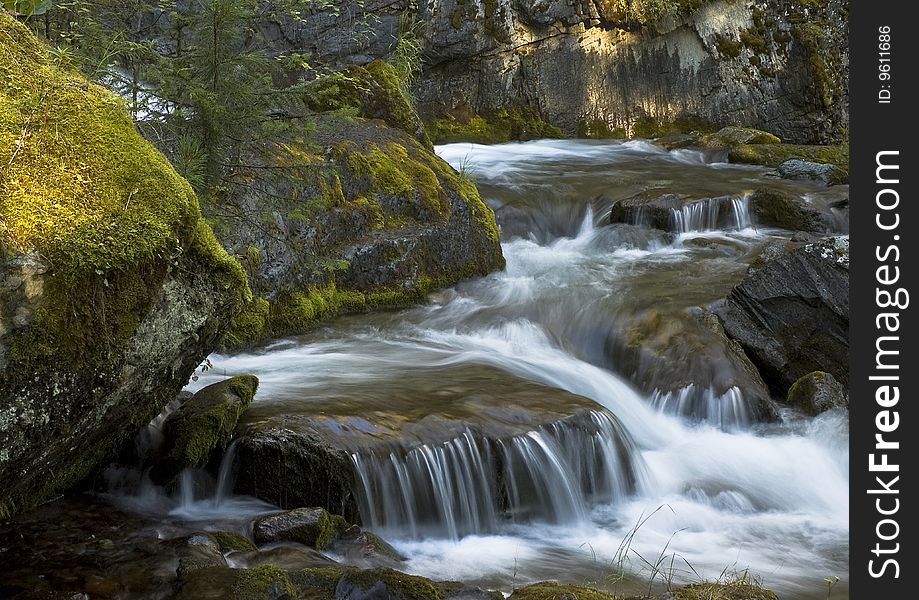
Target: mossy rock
222 583
389 222
313 527
773 155
499 126
817 392
731 137
550 590
230 541
774 208
203 424
127 289
387 583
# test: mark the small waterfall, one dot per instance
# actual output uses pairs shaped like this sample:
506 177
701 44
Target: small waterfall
729 411
471 483
740 210
696 216
707 215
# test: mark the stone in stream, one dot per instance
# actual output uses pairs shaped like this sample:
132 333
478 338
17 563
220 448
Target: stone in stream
313 527
791 315
817 392
775 208
202 424
679 212
690 367
508 445
795 168
113 286
730 137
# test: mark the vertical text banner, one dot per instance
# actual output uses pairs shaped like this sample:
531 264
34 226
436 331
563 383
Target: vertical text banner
884 261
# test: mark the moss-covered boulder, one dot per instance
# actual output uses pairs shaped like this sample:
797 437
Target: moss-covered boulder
203 424
115 288
361 215
773 155
313 527
731 137
817 392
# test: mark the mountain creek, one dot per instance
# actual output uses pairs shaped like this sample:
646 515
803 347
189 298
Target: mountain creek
577 416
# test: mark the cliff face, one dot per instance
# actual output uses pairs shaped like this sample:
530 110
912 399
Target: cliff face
113 286
589 65
607 67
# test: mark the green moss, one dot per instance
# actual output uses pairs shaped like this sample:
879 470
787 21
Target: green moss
248 326
727 46
548 590
260 583
823 66
398 584
394 172
112 219
772 155
500 126
754 38
600 129
230 541
317 582
207 420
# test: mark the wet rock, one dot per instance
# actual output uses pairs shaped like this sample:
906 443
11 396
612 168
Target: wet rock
775 155
203 424
313 527
384 584
200 552
219 583
365 548
791 316
691 368
675 141
796 168
114 287
817 392
774 208
229 541
674 212
456 590
287 557
305 452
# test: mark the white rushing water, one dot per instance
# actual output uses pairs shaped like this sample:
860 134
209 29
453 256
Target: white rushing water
771 498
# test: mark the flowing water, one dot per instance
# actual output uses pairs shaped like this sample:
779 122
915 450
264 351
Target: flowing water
638 477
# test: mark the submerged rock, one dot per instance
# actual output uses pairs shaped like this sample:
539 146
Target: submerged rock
115 287
791 316
338 448
690 367
313 527
202 424
817 392
775 208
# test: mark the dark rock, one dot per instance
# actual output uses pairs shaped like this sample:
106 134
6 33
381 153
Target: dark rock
774 208
113 286
313 527
817 392
365 548
687 362
203 424
791 316
674 212
796 168
302 454
200 552
287 557
675 141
